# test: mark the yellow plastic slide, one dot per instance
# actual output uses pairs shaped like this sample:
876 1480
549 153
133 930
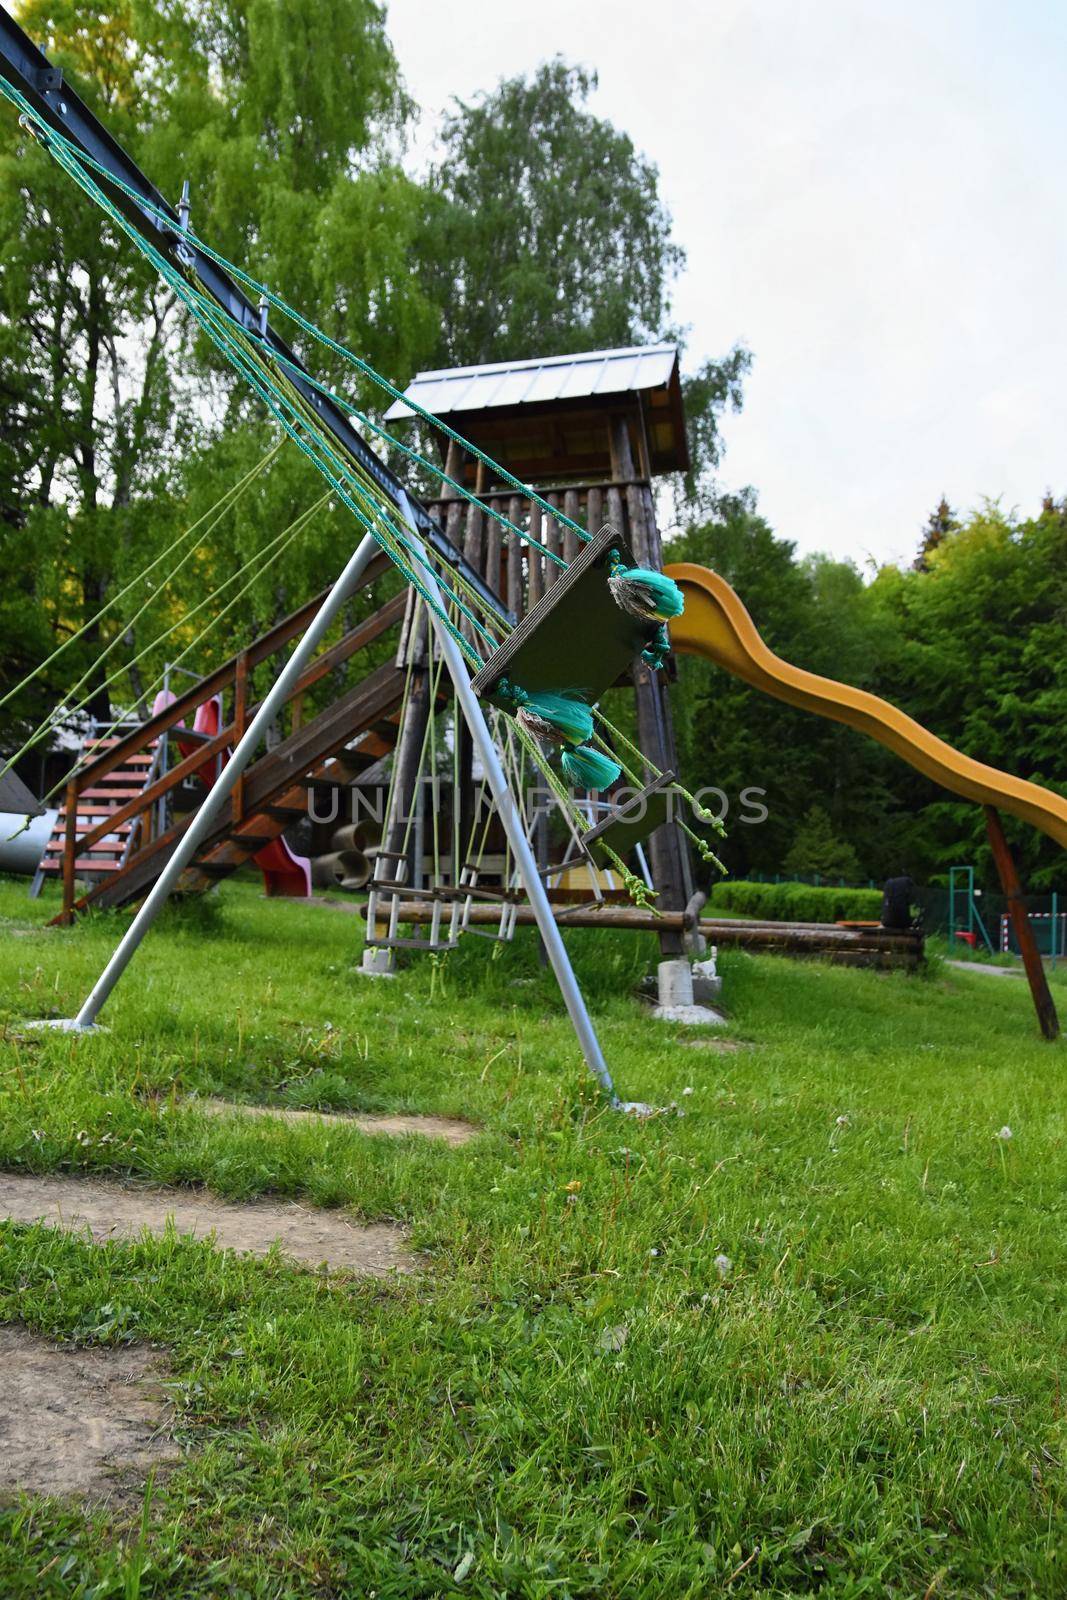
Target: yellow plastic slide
716 625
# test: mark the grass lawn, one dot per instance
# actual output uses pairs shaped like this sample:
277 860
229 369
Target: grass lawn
573 1399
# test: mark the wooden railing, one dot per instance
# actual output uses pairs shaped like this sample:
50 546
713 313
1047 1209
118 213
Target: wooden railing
232 681
516 570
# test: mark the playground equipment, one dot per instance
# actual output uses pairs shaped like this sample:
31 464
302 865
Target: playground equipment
716 625
595 610
284 872
88 828
965 921
469 624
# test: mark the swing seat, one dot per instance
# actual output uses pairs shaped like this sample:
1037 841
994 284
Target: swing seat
631 823
576 640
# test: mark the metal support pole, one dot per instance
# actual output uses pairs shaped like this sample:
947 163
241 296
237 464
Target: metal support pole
1055 928
220 792
513 827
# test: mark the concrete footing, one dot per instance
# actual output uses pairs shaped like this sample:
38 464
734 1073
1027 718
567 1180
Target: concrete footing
677 1001
377 964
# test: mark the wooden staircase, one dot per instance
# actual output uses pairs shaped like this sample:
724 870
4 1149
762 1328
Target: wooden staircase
272 793
97 804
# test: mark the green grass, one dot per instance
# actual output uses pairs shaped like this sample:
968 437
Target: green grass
573 1401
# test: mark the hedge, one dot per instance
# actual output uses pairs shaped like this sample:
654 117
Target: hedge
796 902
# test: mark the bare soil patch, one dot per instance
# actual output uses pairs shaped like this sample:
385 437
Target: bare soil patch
718 1047
113 1211
85 1422
450 1129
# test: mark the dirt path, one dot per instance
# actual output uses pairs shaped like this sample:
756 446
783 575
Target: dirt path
79 1421
450 1129
112 1211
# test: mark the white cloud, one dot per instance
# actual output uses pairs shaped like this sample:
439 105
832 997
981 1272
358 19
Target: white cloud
871 196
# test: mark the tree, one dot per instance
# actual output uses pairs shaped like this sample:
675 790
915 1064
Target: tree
816 850
545 233
284 115
980 657
941 522
812 612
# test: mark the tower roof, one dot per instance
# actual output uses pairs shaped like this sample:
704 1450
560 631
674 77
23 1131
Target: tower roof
542 414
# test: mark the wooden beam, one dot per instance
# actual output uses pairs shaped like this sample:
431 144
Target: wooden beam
849 946
1044 1004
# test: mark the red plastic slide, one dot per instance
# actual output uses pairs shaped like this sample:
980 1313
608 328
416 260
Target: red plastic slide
284 872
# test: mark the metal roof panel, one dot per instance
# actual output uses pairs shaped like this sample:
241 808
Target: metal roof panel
510 383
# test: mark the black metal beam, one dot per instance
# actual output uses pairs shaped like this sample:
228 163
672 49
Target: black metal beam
30 71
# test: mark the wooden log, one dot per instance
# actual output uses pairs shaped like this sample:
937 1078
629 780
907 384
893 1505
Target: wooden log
614 517
1044 1004
535 561
553 541
515 563
669 856
456 503
813 940
594 511
571 542
494 539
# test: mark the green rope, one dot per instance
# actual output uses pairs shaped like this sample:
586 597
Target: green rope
272 551
208 315
420 460
224 503
62 714
66 710
704 850
391 531
234 343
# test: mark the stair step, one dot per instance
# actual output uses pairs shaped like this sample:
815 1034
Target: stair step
119 794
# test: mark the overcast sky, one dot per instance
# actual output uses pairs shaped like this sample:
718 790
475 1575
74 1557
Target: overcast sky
872 196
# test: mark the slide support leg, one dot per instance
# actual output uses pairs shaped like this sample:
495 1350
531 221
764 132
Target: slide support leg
1044 1004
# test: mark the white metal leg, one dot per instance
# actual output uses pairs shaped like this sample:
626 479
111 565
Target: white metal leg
513 826
220 792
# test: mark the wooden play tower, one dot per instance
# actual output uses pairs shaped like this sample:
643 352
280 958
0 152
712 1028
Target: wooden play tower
589 432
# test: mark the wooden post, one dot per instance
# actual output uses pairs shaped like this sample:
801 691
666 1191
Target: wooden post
594 512
535 561
240 717
454 463
552 543
1044 1004
408 751
70 848
515 544
668 848
493 546
571 542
